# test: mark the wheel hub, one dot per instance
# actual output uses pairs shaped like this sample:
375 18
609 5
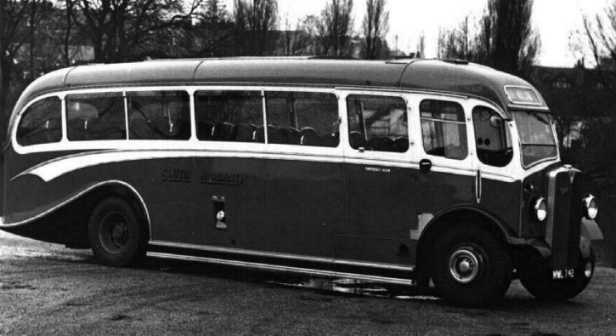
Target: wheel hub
114 234
119 234
464 265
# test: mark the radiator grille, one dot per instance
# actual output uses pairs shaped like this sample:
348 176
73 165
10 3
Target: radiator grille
566 213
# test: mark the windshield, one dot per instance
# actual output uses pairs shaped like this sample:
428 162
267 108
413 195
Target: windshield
536 136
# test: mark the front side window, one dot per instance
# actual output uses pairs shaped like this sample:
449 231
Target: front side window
378 123
159 115
95 116
229 116
492 138
443 129
41 123
537 136
302 118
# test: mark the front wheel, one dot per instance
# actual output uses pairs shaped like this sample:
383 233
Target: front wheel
473 268
116 234
536 277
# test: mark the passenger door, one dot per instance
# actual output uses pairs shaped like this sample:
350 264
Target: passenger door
304 190
450 176
380 176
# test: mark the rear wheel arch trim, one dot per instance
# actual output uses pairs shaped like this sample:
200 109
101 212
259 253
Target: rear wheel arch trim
83 193
133 191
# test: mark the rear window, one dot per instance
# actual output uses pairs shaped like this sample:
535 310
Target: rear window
41 123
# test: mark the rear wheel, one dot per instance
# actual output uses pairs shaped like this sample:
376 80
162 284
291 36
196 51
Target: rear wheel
473 268
536 276
116 234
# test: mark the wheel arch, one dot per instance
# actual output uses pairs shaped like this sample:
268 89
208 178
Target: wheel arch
117 188
467 215
67 222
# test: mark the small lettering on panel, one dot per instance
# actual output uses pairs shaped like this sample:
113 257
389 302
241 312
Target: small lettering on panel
222 179
176 175
378 170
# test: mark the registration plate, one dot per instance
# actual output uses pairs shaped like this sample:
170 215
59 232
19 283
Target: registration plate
560 274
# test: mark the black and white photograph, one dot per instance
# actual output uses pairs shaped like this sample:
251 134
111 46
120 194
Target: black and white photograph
315 167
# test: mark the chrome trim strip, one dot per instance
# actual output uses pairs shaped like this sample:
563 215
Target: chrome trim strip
270 267
478 186
284 256
76 196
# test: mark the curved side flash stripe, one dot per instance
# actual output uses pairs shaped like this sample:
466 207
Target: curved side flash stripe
54 168
76 196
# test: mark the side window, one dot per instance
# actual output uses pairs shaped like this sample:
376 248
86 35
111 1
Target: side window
378 123
298 118
492 138
41 123
443 129
159 115
95 116
229 116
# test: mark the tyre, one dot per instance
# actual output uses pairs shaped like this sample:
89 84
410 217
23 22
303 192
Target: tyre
116 235
536 277
473 268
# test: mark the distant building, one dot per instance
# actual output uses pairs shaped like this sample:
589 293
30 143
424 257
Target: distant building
577 92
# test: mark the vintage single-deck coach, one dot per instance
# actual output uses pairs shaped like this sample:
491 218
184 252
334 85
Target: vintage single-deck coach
407 171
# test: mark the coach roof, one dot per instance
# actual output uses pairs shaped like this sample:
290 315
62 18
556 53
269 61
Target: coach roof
458 78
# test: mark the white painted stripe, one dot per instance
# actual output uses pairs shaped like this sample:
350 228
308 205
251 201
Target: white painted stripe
280 268
57 167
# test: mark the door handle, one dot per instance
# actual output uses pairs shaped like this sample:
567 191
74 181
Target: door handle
425 165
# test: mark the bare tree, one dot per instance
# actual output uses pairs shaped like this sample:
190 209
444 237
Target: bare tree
335 28
375 26
213 35
421 46
457 43
126 29
300 39
600 34
14 34
503 39
68 30
514 45
215 11
255 20
3 43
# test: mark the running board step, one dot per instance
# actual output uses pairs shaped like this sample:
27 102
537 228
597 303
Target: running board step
286 269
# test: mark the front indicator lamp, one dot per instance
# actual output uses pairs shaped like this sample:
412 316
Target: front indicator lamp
541 209
591 207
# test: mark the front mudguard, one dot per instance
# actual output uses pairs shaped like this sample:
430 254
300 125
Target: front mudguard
589 231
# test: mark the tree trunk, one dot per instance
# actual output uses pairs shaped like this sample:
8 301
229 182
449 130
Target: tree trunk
3 92
32 37
67 32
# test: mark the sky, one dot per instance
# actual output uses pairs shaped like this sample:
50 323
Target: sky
556 22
